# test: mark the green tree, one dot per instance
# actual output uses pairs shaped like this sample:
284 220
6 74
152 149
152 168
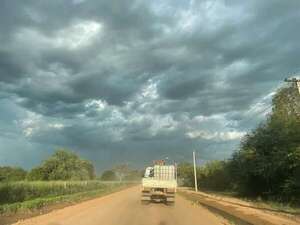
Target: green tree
108 175
214 175
185 174
121 171
36 174
133 175
89 167
63 165
8 173
268 163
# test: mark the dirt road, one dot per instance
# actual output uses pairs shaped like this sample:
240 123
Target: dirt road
124 208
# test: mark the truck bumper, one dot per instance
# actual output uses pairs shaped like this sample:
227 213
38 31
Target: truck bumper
146 198
158 196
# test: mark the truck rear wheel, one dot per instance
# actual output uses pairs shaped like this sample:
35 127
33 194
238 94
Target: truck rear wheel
170 201
145 202
145 198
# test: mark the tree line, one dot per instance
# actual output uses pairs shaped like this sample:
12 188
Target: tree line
122 173
267 163
66 165
62 165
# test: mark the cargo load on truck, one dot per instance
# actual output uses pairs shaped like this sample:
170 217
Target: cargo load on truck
159 183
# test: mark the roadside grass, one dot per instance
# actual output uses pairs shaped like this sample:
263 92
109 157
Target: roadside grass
43 194
230 218
11 192
260 203
275 205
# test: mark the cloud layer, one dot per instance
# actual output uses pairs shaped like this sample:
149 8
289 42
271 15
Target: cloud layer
132 81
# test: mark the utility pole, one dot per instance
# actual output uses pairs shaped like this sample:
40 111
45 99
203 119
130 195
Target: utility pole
195 171
294 80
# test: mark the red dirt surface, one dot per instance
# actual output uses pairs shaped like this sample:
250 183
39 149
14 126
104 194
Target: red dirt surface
125 208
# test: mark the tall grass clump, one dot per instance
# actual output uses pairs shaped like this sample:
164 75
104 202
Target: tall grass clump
12 192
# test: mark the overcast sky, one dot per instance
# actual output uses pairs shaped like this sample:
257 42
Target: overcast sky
132 81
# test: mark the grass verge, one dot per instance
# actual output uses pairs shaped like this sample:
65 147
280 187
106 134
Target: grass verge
230 218
20 191
239 211
271 205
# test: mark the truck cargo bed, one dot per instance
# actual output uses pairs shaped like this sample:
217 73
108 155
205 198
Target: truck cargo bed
154 183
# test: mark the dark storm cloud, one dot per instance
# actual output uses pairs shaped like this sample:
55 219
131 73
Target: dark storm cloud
116 78
10 70
123 24
113 88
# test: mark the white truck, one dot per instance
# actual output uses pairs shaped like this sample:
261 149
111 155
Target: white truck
159 184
